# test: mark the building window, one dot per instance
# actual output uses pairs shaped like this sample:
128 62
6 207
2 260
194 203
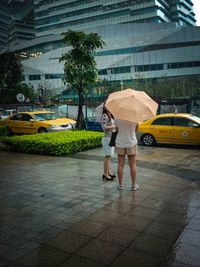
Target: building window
34 77
152 67
179 65
118 70
53 76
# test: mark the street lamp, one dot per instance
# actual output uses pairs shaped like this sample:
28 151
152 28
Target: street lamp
61 96
109 73
42 94
121 84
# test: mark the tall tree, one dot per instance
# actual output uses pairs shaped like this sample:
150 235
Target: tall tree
10 73
80 68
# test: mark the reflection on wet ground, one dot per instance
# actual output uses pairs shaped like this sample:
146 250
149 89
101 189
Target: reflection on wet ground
58 211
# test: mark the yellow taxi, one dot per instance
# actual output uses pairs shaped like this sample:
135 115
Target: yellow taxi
172 128
36 122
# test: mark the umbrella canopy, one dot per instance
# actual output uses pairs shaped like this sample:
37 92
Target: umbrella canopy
98 112
131 105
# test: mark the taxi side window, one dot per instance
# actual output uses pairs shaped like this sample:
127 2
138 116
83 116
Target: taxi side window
17 117
182 122
26 117
162 121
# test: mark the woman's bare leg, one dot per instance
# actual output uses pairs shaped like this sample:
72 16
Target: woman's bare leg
121 160
132 166
106 166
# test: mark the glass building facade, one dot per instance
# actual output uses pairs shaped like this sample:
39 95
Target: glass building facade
22 21
4 22
132 51
58 16
144 39
16 22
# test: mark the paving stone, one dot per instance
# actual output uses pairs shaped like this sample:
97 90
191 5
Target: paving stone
57 211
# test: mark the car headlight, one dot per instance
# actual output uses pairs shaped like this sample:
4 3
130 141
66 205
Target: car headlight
53 126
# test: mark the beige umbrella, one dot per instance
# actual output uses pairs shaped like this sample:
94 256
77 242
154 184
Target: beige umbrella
131 105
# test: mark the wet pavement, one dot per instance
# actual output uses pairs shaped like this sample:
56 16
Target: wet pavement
57 211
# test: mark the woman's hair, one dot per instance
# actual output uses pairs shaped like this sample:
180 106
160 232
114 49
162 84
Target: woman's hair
107 112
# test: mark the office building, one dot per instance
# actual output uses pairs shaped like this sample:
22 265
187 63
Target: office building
21 26
16 22
57 15
4 23
137 50
163 42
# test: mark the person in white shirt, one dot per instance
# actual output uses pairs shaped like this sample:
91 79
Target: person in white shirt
108 126
126 144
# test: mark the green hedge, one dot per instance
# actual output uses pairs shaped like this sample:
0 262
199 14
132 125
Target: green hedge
57 144
3 130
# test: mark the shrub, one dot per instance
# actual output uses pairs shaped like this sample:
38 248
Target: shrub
3 130
57 144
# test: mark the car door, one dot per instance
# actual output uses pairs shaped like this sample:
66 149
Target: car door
15 123
185 132
28 124
161 129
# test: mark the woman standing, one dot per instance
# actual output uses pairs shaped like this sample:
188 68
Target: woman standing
126 144
108 126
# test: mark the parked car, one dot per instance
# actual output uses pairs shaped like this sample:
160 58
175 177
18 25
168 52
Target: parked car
6 113
36 122
2 110
172 128
93 126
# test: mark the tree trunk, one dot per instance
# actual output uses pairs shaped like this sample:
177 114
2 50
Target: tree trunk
80 124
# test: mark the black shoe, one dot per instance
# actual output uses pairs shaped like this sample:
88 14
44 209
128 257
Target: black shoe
107 178
112 176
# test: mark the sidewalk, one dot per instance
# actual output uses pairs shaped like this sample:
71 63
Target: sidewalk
57 211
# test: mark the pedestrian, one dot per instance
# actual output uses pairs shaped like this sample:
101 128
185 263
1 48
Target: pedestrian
126 144
108 126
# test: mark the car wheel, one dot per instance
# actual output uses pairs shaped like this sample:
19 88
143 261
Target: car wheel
42 130
148 140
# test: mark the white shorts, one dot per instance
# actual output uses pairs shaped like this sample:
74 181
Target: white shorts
107 149
126 151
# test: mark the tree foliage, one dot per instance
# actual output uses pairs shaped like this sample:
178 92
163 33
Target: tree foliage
165 88
10 74
162 88
24 89
80 68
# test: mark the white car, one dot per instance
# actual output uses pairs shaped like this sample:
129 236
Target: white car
6 113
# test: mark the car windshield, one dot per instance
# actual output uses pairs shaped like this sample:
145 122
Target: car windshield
45 116
195 118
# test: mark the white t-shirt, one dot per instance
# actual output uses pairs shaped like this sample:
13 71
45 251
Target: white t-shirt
126 136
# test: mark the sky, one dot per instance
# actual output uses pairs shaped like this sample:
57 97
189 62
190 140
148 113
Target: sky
196 9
